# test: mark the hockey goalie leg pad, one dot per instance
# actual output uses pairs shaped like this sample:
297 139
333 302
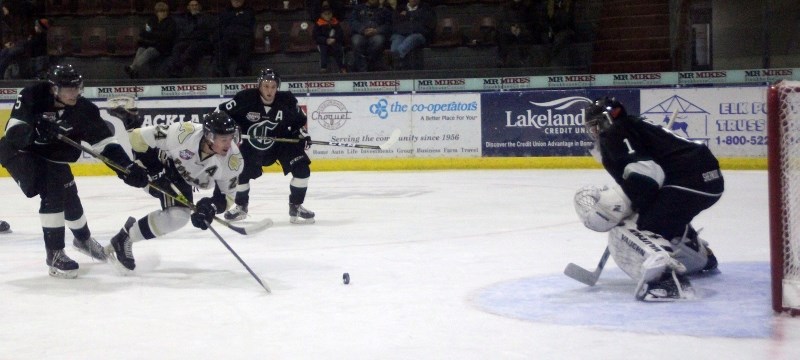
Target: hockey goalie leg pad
631 247
691 251
644 256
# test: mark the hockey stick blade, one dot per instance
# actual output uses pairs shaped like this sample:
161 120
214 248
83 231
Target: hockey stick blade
585 276
392 140
250 228
578 273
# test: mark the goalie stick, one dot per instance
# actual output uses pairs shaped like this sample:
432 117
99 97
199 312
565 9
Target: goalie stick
585 276
672 120
244 230
386 145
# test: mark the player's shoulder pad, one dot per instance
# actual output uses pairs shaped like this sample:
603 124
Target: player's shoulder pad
286 98
37 92
87 108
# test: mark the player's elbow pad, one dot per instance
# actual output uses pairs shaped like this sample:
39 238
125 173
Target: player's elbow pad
20 135
641 181
116 154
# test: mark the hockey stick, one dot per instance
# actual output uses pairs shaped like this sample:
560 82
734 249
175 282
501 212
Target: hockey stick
585 276
262 283
386 145
246 230
672 120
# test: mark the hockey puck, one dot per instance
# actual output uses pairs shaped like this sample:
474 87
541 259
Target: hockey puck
346 278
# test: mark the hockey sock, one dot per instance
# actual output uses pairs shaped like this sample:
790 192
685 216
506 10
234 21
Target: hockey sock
297 190
53 229
79 228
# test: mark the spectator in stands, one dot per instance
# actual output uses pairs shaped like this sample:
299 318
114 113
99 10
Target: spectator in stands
514 38
390 4
560 28
236 38
40 60
195 30
413 26
16 29
371 24
155 40
339 8
329 37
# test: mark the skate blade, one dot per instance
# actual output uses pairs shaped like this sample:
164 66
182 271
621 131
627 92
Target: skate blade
111 255
235 218
300 221
84 252
62 274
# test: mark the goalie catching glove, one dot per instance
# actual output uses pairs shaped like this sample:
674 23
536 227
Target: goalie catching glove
601 208
204 213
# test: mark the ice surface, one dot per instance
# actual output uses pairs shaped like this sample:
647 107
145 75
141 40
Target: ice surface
443 265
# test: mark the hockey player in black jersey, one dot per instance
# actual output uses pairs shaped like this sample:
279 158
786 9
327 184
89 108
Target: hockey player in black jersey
667 179
39 162
264 113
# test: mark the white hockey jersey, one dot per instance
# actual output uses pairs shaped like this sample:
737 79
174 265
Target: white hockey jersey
181 143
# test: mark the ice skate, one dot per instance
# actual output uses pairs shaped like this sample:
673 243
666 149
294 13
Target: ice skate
90 248
120 250
300 215
711 264
239 212
60 265
669 287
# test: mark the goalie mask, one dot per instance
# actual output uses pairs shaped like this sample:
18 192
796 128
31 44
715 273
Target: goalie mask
601 208
601 113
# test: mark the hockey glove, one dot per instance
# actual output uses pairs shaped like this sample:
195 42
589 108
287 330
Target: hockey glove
163 182
204 213
305 139
48 128
136 176
130 117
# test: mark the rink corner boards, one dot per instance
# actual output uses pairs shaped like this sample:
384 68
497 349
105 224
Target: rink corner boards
484 163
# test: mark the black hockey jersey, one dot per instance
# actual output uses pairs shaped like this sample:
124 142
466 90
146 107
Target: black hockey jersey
282 119
631 139
34 104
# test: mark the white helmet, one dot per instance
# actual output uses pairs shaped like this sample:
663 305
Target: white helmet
601 208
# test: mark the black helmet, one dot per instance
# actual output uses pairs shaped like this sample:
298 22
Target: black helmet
219 123
269 74
65 76
602 112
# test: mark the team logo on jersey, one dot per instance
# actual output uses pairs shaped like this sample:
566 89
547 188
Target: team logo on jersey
186 154
253 116
258 134
235 162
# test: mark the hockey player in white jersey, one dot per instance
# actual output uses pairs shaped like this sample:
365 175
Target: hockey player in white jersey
178 158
